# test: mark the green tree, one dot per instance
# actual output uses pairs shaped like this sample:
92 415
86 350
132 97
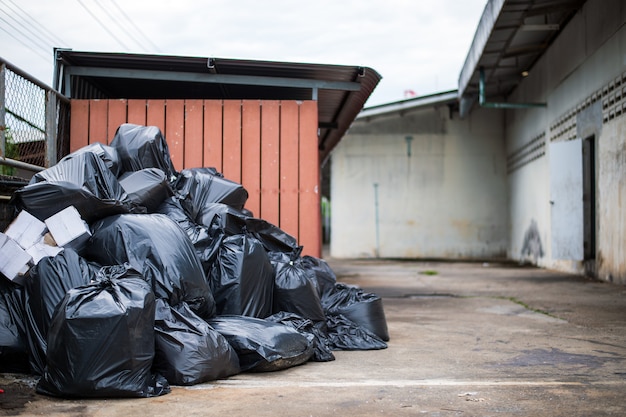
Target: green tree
11 152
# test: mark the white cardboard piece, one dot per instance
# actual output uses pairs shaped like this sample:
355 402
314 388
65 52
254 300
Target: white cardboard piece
14 260
40 250
26 229
68 229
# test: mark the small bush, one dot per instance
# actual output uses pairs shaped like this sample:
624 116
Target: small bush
10 152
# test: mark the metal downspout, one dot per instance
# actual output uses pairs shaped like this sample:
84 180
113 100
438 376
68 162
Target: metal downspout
376 220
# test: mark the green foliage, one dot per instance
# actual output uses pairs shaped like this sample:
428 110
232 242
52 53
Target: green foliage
11 152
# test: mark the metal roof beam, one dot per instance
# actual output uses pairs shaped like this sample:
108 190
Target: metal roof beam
179 76
524 50
482 100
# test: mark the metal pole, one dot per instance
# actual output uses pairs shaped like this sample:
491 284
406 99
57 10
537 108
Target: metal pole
20 164
376 219
2 108
51 129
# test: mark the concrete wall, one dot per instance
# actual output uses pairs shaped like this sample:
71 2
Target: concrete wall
441 194
582 79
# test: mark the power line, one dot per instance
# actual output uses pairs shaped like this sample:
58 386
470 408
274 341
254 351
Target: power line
26 45
122 28
37 25
18 30
102 25
23 27
137 29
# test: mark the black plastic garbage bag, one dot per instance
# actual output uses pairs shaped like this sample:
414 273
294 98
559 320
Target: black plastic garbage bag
206 240
13 344
45 287
322 351
365 309
160 251
273 238
233 221
117 272
83 181
326 278
188 350
107 153
147 187
262 345
142 147
101 343
198 187
344 334
223 217
242 278
295 288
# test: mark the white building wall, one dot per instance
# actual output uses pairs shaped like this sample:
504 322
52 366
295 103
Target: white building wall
445 197
582 79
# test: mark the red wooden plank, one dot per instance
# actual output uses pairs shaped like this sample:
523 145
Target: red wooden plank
310 236
175 131
270 147
117 116
212 134
289 173
193 133
155 114
79 124
137 111
250 153
232 140
98 120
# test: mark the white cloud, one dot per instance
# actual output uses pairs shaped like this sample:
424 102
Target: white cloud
414 44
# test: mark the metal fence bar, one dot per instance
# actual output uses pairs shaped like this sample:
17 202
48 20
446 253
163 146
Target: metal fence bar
51 129
2 107
33 122
19 164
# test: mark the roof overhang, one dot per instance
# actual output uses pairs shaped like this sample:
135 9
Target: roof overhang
446 98
511 36
340 91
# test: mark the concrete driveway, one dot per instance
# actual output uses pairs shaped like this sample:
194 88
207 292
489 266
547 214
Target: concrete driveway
467 339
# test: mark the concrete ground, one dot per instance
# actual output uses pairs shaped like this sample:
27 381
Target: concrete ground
467 339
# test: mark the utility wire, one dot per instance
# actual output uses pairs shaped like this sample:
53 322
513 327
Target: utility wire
37 25
18 30
102 25
24 27
120 26
134 26
26 45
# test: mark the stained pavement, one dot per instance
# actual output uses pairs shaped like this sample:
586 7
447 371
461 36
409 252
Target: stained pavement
467 339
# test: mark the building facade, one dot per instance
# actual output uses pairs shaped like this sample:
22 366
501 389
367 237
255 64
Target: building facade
413 180
535 172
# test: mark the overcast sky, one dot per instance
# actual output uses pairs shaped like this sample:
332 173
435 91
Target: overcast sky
416 45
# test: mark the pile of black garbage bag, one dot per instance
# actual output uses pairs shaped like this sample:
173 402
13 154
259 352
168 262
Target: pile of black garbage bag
178 284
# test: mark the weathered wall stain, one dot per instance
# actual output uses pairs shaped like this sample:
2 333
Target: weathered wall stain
532 247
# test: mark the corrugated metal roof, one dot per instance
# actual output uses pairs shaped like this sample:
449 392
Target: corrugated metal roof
340 90
511 36
449 98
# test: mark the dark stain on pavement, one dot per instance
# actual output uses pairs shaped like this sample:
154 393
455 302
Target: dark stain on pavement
540 357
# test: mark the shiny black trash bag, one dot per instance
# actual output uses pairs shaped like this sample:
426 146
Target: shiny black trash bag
262 345
156 247
188 350
101 343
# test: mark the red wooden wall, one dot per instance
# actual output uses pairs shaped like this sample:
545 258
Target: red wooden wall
270 147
